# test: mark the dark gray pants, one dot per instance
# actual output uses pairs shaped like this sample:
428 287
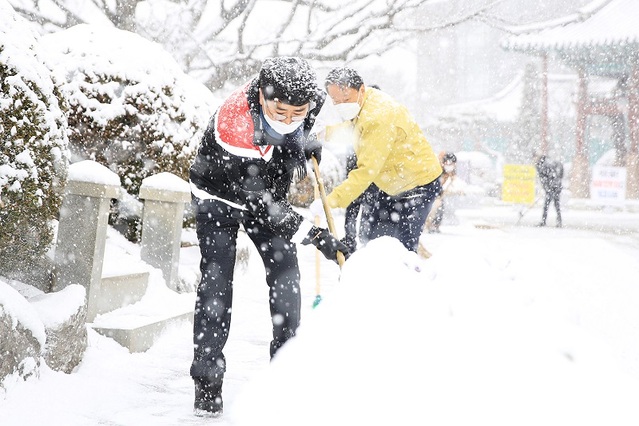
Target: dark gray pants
552 196
217 230
403 216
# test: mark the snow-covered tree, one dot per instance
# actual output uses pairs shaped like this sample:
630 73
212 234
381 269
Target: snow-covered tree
527 137
226 41
33 157
131 108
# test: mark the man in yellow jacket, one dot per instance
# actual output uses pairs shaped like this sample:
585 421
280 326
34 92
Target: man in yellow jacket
392 154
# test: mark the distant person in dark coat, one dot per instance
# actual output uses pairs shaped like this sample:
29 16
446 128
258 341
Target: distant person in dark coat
550 174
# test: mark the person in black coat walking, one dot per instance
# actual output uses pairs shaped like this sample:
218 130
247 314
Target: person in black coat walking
550 174
257 141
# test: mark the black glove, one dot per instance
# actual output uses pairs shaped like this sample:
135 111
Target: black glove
313 148
350 242
326 243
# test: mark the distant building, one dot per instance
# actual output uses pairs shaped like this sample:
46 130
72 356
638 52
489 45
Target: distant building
466 62
600 41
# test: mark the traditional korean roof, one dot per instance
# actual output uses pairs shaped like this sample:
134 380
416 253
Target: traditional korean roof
505 105
602 37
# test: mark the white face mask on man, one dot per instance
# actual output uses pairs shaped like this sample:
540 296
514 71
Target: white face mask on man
276 122
281 127
348 110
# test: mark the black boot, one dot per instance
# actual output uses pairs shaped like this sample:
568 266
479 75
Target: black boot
208 397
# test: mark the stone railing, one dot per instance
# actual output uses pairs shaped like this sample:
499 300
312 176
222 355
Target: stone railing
81 291
164 197
82 228
83 224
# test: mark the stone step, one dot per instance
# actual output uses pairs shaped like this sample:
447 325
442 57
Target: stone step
117 291
138 327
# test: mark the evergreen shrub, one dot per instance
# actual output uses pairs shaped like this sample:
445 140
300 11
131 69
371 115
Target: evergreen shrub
34 155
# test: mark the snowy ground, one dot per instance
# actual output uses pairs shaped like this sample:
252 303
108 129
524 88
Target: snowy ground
503 325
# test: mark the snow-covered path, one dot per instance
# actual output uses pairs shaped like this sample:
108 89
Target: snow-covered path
585 278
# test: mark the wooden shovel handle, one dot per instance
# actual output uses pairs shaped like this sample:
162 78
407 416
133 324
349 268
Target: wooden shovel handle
327 210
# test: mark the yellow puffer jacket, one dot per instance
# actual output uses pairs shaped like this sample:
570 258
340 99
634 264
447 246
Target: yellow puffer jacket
392 152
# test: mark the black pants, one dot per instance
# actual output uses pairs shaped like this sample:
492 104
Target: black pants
552 196
364 203
217 230
403 216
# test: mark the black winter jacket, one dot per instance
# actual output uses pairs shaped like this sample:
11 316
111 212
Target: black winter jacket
550 173
240 164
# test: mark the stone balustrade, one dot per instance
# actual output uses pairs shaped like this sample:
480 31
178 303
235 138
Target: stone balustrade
82 227
81 239
164 198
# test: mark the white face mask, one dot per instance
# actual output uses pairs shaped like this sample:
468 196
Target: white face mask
283 128
348 110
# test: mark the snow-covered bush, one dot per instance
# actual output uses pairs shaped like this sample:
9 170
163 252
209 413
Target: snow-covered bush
131 107
33 158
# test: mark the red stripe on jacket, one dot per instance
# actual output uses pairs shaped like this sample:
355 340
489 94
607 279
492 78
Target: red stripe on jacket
235 125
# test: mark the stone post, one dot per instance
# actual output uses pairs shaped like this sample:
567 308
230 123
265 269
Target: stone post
164 197
84 215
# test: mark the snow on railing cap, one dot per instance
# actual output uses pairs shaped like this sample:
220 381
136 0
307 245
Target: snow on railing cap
165 187
167 181
92 172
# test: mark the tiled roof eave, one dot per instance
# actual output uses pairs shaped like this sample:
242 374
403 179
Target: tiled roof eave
603 24
540 47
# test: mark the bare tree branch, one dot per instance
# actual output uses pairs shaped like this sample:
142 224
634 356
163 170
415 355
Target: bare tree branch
240 32
228 47
474 15
284 26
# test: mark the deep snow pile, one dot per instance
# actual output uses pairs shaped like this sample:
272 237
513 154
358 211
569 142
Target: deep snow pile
394 346
480 336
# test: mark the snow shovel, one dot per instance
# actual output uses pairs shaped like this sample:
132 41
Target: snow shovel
327 210
523 211
318 296
422 252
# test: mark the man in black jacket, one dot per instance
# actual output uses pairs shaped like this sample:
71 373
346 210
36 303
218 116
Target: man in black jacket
256 143
550 174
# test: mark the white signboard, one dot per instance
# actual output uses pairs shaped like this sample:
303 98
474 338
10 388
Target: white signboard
608 185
